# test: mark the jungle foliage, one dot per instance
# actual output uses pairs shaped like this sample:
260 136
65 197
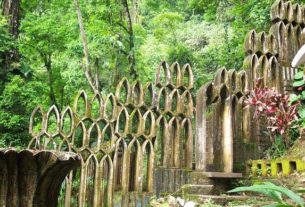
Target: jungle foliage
44 55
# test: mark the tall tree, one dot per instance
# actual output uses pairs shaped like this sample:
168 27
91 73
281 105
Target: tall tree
131 54
91 78
10 58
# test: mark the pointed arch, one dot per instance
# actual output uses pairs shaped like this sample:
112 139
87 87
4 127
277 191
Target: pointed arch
137 93
275 75
175 102
261 43
52 121
187 104
65 146
163 100
55 142
291 43
94 134
174 144
161 141
81 105
79 135
298 36
119 165
231 80
107 134
175 73
147 166
162 75
96 108
186 144
102 123
37 121
149 123
67 122
250 42
89 180
279 31
122 91
220 76
272 45
250 66
133 152
106 181
135 122
187 77
242 82
289 16
149 95
298 13
277 10
121 126
110 108
261 72
223 91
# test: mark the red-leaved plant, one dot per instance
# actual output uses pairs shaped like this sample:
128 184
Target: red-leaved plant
275 107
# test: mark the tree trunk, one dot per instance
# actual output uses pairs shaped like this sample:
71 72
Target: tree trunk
10 9
48 64
92 79
135 11
131 55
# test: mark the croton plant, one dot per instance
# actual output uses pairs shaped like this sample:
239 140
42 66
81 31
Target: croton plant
277 108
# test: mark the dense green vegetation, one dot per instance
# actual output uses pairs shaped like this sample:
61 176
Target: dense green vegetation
43 60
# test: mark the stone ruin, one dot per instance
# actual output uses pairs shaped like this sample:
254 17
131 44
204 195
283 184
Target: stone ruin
159 138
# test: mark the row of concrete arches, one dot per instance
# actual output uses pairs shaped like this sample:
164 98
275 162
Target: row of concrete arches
287 11
128 168
174 77
88 132
290 38
265 68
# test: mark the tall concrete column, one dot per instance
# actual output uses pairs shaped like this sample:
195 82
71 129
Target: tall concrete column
201 128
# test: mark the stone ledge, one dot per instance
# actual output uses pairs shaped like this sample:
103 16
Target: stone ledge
217 174
223 175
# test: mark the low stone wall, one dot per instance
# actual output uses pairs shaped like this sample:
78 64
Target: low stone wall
170 180
276 167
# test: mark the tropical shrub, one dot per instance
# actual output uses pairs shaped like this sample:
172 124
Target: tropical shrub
276 108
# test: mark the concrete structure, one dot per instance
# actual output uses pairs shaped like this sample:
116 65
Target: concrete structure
157 138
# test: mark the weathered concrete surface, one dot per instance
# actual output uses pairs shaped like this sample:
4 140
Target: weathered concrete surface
33 178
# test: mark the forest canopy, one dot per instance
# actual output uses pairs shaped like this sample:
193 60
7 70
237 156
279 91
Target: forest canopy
52 49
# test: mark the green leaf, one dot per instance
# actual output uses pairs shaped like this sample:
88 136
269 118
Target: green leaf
272 191
257 188
303 95
298 83
299 75
277 205
296 198
301 112
294 98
